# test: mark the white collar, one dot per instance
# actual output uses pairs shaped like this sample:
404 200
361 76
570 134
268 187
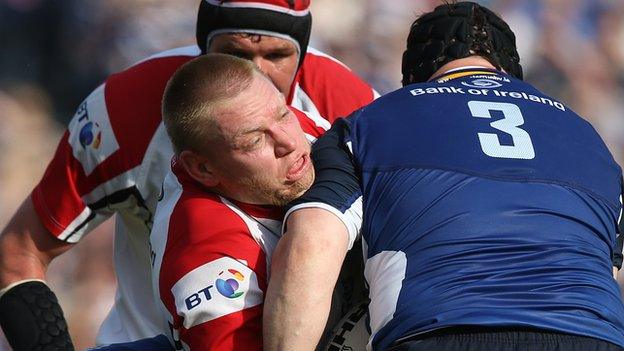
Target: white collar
466 67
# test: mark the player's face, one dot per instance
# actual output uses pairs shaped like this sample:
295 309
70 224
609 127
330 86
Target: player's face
276 57
263 156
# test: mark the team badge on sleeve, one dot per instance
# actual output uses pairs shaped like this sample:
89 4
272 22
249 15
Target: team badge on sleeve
90 132
216 289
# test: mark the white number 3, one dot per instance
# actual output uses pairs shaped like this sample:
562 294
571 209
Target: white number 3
522 147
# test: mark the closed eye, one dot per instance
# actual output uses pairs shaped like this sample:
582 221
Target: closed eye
284 116
253 142
240 54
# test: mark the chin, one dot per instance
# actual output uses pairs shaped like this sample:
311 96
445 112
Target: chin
270 194
297 189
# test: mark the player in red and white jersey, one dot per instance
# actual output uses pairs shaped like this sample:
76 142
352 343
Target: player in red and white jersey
213 289
113 157
219 218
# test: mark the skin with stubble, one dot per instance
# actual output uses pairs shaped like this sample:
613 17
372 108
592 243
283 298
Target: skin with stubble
258 153
276 57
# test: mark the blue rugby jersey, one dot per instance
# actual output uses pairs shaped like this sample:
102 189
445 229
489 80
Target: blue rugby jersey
484 201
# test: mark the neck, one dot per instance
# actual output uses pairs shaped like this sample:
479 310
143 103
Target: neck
466 61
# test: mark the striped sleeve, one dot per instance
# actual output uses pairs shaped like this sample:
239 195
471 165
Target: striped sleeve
212 279
97 167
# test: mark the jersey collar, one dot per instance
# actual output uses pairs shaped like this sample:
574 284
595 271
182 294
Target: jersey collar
465 71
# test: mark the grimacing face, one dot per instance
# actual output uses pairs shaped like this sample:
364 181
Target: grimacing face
276 57
261 155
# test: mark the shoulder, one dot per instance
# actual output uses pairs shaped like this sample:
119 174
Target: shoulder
202 228
131 98
160 64
141 86
204 217
125 111
319 61
323 68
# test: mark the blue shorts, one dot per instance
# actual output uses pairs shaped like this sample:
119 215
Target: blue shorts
473 338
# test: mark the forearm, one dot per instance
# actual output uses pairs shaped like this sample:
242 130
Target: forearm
30 315
18 263
26 247
305 267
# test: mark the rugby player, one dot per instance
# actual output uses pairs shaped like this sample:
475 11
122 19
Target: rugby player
489 211
113 156
241 154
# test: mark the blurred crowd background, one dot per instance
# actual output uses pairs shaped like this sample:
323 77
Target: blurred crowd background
54 52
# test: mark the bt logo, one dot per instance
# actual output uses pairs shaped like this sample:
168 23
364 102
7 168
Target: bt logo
228 287
90 135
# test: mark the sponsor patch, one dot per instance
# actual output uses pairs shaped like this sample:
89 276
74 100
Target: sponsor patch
90 133
482 83
216 289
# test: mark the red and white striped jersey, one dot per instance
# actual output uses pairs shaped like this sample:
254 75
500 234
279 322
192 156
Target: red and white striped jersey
211 260
114 155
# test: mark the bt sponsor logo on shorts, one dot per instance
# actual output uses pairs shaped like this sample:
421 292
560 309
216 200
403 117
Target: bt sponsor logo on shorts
227 285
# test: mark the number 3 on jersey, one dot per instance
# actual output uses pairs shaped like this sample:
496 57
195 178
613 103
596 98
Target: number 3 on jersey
522 147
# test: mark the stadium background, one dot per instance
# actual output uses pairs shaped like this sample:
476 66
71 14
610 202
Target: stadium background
54 52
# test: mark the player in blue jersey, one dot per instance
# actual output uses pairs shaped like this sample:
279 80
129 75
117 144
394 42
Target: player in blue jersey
488 210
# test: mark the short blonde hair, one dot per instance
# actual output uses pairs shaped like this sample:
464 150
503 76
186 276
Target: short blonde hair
193 92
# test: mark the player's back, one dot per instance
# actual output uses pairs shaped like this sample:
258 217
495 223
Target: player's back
496 203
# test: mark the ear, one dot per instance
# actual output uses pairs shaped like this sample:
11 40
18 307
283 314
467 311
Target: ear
198 168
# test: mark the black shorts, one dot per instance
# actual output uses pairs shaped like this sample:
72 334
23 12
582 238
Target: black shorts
469 338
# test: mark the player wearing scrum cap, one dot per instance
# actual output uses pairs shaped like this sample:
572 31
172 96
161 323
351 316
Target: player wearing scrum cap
489 222
114 155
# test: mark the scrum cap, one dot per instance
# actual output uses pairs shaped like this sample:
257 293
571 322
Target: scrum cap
454 31
287 19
